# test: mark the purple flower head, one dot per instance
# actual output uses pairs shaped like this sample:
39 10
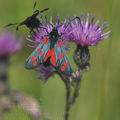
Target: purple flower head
47 26
8 44
87 32
45 72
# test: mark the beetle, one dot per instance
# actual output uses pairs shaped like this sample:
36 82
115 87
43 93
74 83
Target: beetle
32 22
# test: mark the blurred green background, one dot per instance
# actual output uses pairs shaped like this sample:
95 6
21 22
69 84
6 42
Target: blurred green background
100 90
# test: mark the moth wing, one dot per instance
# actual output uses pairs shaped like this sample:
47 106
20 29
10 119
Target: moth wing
62 61
37 56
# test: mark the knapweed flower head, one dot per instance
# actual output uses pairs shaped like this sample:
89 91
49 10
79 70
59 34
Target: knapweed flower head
87 32
9 44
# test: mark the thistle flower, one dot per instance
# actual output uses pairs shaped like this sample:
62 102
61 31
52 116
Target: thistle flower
8 44
87 32
47 26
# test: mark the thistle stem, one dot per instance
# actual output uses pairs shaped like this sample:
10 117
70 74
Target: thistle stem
68 101
4 83
77 87
76 91
68 96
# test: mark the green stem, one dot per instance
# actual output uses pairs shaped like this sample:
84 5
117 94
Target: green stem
77 86
68 101
68 96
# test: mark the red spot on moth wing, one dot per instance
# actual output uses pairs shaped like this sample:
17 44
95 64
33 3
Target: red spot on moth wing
61 56
34 60
60 43
40 51
53 57
64 66
45 40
